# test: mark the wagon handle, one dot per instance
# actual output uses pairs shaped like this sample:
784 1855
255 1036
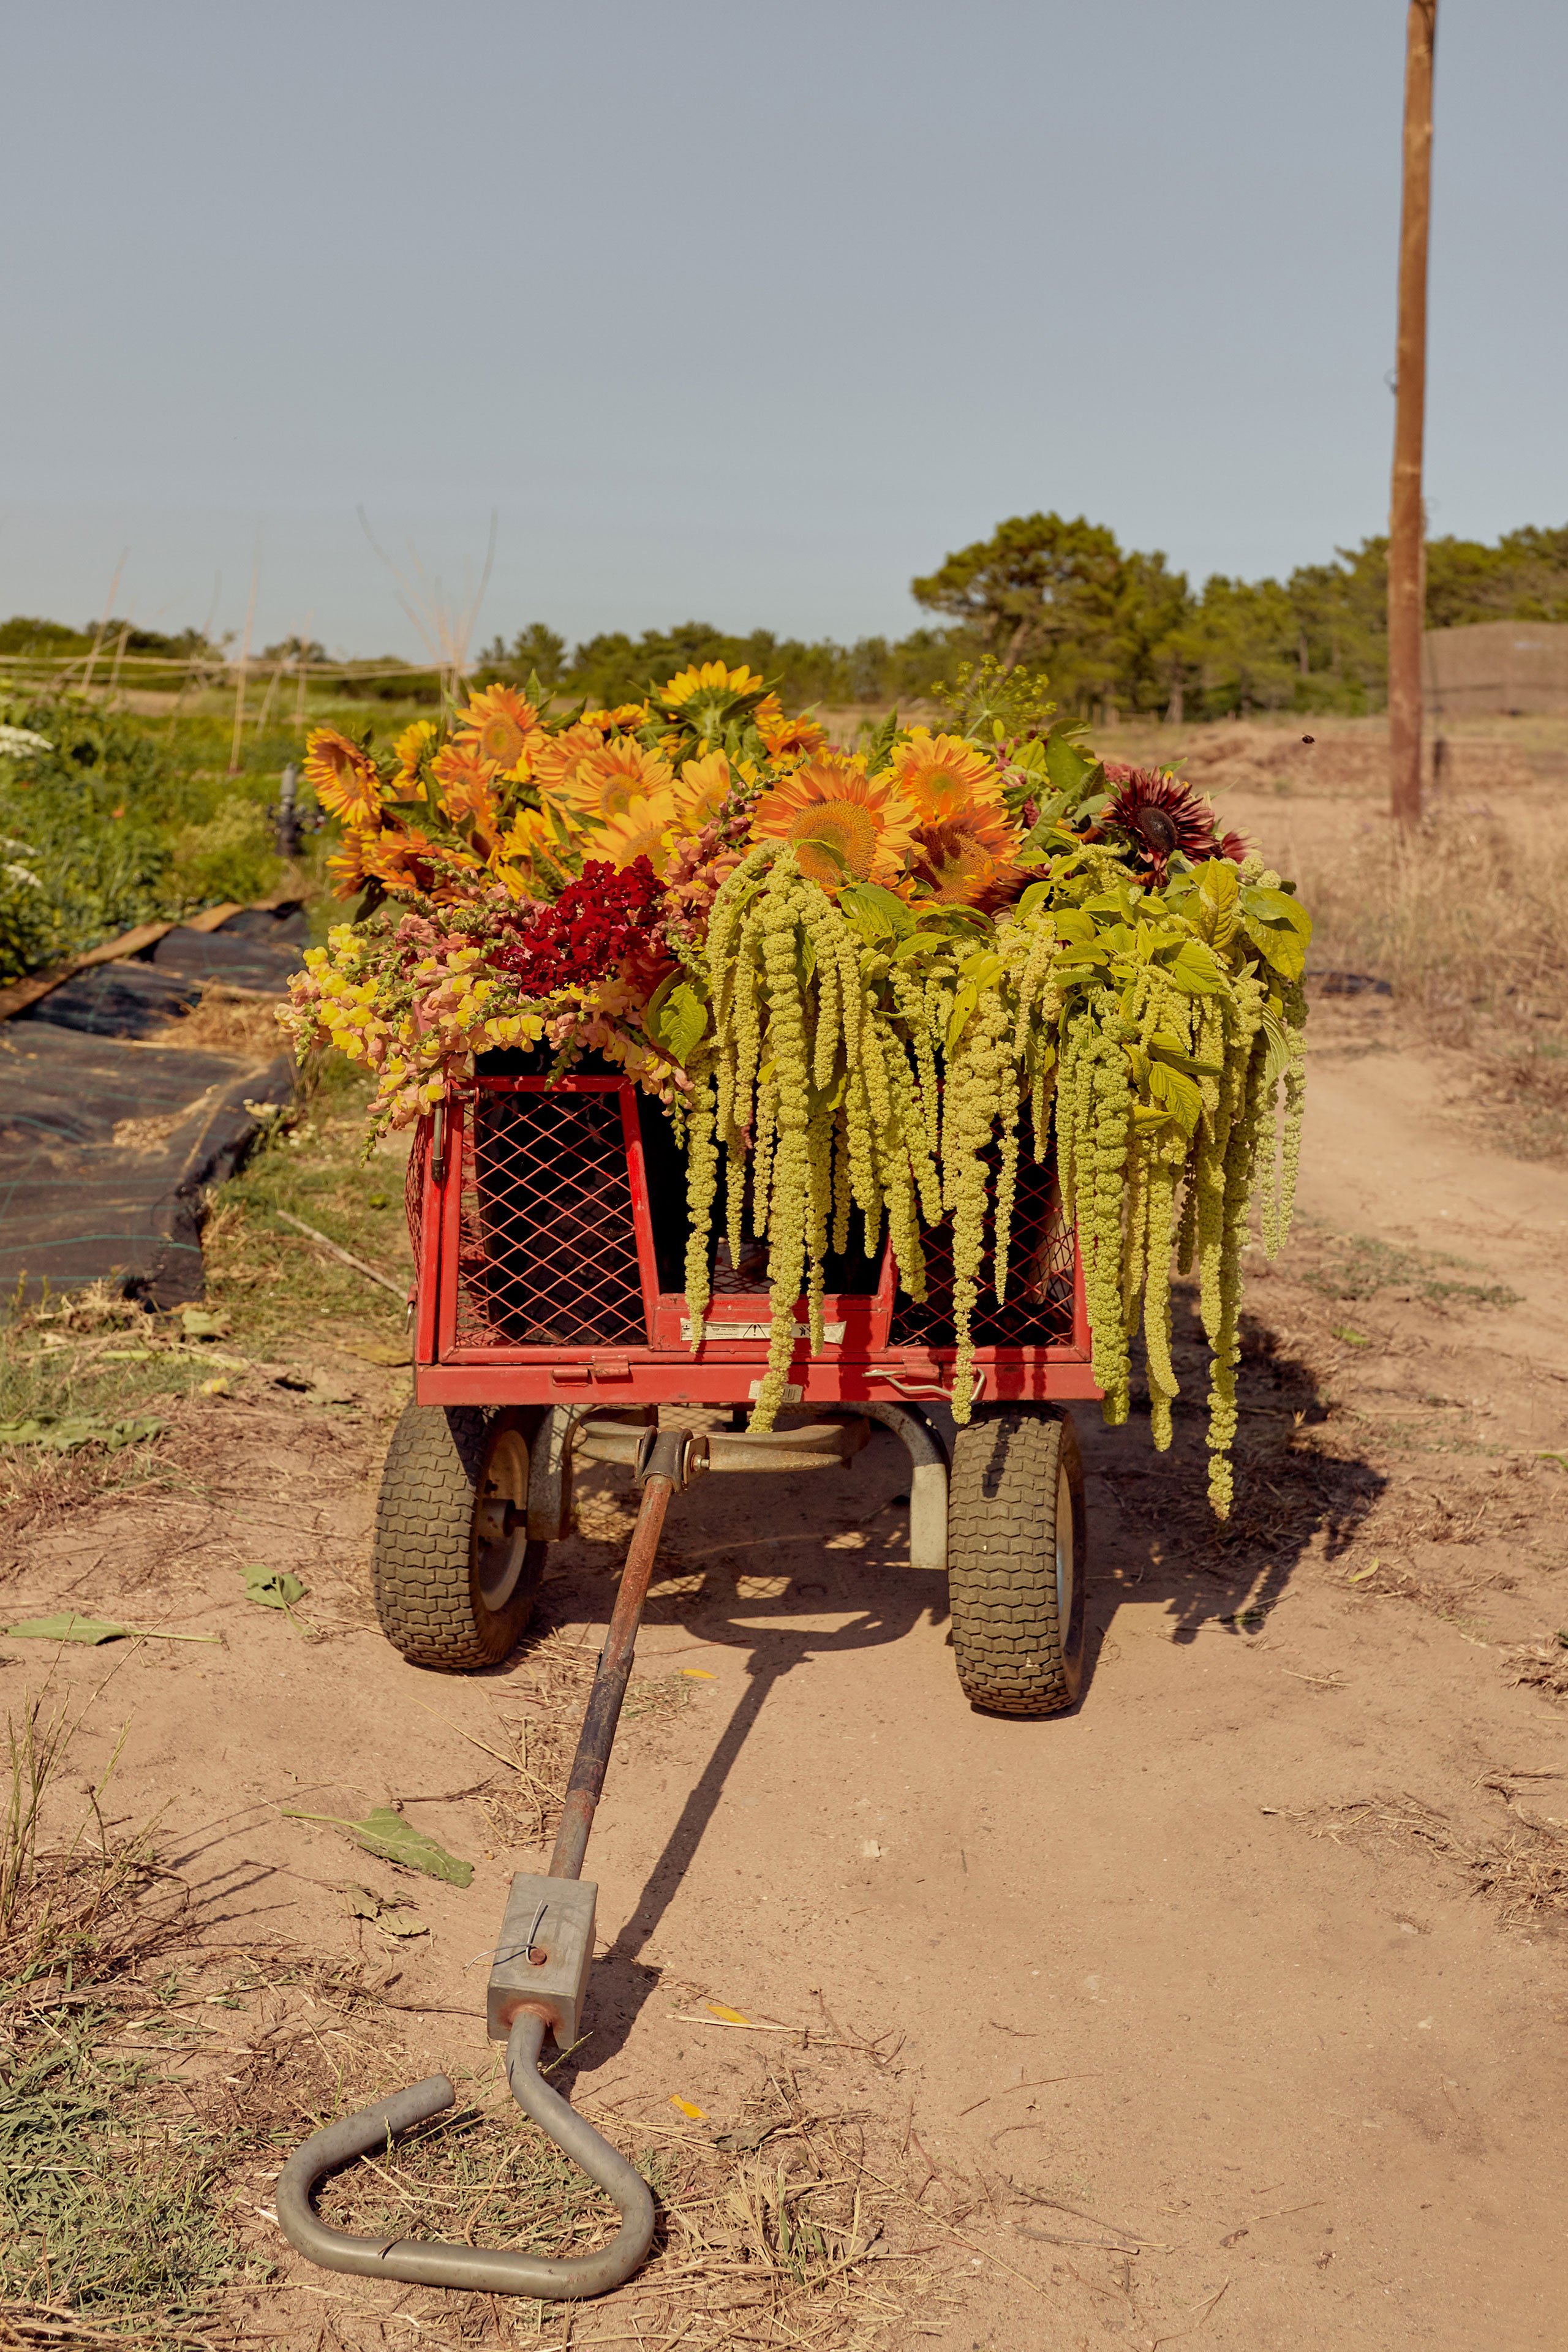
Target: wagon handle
667 1460
434 2262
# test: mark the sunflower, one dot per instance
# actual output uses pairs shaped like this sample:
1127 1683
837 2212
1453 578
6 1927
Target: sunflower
532 845
706 698
831 801
468 789
645 829
621 719
499 728
703 788
342 777
556 759
1158 817
411 746
406 860
786 738
605 781
708 680
349 867
943 775
969 858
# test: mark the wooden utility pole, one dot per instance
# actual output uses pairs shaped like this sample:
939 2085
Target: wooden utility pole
1406 569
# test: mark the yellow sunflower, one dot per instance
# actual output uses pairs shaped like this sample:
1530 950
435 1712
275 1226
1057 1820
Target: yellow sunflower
342 777
703 788
532 846
709 680
941 774
644 830
414 743
498 727
624 716
606 780
832 801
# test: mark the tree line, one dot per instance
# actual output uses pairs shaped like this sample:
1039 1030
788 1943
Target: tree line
1114 628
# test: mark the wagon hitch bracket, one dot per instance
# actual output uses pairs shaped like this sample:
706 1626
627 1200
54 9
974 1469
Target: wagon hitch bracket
537 1982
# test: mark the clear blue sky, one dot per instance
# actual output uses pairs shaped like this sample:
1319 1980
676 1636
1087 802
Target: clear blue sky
746 311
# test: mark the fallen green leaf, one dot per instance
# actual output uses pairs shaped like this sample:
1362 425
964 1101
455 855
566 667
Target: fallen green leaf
271 1588
200 1323
392 1839
93 1630
65 1436
1351 1338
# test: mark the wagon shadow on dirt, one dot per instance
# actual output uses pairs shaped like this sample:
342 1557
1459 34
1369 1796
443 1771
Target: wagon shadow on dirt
1300 1492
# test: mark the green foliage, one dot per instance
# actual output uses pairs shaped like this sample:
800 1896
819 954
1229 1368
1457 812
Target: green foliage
1115 627
123 820
867 1053
390 1838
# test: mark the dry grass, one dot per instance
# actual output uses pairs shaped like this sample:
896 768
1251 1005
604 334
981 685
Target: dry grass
1524 1872
535 1728
229 1021
785 2228
1466 921
112 2220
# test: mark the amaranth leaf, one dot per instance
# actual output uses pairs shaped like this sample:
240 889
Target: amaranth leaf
392 1839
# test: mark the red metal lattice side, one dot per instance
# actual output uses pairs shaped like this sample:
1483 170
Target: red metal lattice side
413 1190
1038 1309
547 1250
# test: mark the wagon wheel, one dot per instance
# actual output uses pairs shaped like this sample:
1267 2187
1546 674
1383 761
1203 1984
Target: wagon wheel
1016 1557
453 1570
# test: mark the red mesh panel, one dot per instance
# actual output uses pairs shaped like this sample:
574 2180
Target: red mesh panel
1038 1311
547 1253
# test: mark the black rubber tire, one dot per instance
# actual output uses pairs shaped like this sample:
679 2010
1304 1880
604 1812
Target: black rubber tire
427 1564
1010 1468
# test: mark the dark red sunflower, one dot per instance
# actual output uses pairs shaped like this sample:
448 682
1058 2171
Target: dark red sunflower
1159 817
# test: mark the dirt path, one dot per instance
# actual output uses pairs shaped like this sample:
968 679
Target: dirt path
1230 2006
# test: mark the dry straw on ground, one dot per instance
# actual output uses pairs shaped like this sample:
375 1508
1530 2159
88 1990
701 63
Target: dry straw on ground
1524 1872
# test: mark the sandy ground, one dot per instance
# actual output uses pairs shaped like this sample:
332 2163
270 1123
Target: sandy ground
1224 2007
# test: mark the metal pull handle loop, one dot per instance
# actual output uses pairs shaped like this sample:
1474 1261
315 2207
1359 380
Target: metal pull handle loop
434 2262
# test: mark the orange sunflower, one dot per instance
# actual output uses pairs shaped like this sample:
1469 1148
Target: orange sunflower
468 789
943 774
968 859
499 728
556 759
342 777
406 861
349 865
605 781
786 738
831 801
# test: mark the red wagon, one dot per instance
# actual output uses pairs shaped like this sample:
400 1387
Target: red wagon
549 1230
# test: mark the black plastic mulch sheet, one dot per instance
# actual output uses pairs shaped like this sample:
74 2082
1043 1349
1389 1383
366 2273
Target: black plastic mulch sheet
110 1137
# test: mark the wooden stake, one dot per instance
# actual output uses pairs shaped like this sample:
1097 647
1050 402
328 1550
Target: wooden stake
244 671
1406 520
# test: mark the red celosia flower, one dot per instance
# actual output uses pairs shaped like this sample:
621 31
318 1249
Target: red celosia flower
1159 817
610 920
